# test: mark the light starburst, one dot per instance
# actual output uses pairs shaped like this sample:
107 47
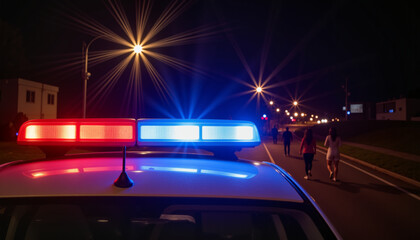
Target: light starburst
140 43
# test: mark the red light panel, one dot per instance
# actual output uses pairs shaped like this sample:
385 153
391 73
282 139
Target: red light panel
101 132
78 132
51 132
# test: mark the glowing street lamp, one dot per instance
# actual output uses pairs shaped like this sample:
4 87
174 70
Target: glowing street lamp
258 89
295 103
302 114
278 110
138 49
271 102
296 114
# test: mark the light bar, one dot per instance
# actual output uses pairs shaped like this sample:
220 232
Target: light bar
200 132
78 132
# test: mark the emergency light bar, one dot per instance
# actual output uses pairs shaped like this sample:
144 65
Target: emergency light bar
111 132
115 132
198 132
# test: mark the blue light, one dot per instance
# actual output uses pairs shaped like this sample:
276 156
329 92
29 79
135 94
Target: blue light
391 110
170 132
348 112
264 115
223 173
194 170
169 169
227 132
198 132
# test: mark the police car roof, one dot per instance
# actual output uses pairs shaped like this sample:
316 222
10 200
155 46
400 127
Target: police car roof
168 176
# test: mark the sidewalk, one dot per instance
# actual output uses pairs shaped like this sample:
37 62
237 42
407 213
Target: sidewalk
406 156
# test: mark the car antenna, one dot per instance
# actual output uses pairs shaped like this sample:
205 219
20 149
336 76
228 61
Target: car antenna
123 181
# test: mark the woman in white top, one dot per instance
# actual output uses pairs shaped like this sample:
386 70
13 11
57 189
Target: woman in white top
333 143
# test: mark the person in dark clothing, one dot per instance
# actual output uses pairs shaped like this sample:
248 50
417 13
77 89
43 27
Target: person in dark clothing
287 139
274 133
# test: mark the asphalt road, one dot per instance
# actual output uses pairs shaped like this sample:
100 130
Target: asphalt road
363 204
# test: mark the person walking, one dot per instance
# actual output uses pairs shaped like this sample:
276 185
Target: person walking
308 148
274 133
333 143
287 139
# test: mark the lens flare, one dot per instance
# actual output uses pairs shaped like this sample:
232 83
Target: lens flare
140 42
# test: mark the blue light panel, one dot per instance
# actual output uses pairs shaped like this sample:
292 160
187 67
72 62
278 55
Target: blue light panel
169 132
198 132
228 132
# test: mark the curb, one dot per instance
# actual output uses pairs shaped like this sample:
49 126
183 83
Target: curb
385 171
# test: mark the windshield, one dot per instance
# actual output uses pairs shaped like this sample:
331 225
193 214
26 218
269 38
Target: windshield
116 218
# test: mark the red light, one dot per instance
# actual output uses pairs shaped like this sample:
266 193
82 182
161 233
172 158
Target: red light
266 118
51 132
78 132
99 132
262 118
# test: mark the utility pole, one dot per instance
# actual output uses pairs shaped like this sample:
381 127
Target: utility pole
346 90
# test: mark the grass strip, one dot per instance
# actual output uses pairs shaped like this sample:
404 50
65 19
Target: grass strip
10 151
407 168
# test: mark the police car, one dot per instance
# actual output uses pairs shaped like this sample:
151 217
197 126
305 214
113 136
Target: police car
168 188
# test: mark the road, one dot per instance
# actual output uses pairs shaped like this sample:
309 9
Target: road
363 204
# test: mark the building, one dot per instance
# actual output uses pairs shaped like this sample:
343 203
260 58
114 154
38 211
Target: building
361 111
403 109
35 100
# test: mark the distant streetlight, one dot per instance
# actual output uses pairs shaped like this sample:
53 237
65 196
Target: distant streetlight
271 102
278 110
296 114
295 103
302 114
258 89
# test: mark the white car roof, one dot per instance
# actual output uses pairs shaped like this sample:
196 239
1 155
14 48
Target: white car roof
152 176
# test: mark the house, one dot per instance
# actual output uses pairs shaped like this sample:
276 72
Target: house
35 100
403 109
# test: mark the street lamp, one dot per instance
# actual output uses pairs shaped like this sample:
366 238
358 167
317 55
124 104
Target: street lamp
86 74
138 49
295 103
278 110
258 89
271 102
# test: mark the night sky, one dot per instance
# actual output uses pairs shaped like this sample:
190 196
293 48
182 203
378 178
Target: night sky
374 44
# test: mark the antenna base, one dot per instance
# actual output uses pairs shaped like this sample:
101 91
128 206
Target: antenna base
123 181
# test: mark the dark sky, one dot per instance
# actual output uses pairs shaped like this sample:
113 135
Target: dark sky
374 44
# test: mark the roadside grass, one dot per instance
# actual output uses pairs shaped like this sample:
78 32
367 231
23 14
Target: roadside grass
407 168
10 151
401 136
402 139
